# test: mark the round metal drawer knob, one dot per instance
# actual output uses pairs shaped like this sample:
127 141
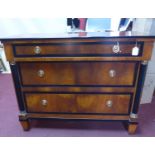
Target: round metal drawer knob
109 103
44 102
41 73
112 73
37 50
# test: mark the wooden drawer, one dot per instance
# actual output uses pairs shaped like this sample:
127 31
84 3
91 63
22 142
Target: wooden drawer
76 49
78 103
78 73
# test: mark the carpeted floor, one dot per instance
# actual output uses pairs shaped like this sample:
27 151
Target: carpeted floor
10 126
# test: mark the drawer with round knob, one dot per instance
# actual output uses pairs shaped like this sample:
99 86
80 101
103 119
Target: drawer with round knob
73 49
78 73
97 103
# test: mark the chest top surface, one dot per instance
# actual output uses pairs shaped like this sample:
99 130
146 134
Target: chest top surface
80 35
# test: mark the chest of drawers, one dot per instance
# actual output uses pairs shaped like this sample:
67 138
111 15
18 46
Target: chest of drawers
79 78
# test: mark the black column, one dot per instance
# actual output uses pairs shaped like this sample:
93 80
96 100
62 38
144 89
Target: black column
16 80
140 84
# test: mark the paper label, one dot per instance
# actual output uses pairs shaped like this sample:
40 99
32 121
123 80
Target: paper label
135 51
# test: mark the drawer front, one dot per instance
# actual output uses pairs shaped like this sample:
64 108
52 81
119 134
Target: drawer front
78 103
77 49
78 73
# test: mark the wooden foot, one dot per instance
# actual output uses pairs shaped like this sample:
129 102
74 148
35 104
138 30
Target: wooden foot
25 124
131 127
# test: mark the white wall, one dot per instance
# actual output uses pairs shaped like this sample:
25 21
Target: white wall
17 26
147 25
143 25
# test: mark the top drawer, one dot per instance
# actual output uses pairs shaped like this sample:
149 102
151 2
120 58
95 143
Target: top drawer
68 49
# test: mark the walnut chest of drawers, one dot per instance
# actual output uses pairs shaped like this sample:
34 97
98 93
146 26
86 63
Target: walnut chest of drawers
79 77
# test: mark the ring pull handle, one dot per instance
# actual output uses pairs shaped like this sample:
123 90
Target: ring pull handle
116 48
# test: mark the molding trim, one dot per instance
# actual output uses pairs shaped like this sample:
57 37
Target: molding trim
133 116
145 62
